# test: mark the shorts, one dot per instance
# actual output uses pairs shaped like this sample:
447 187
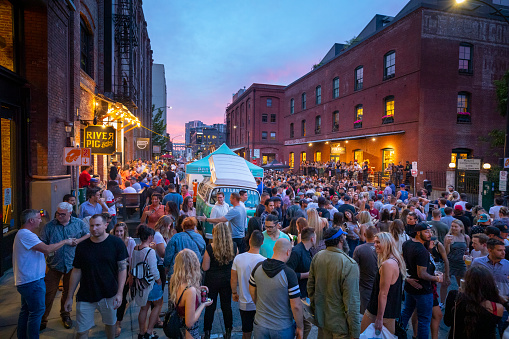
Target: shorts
156 293
247 318
85 314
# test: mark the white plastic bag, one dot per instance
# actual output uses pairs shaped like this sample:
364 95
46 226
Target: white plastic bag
369 333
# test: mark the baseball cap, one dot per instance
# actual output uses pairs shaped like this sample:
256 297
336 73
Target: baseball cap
422 226
501 225
458 207
483 218
94 180
402 185
300 193
296 199
492 230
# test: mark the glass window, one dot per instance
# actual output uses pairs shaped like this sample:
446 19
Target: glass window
269 102
8 175
359 112
292 106
303 101
272 118
358 156
264 135
86 48
318 124
291 130
253 197
291 160
7 51
264 117
465 58
302 157
463 107
318 95
335 121
335 88
318 156
389 65
359 78
389 106
387 157
272 135
303 128
264 159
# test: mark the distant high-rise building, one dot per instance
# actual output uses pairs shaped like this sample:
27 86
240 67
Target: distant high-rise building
159 89
192 124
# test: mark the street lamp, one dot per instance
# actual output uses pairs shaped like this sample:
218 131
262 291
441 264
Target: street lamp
506 19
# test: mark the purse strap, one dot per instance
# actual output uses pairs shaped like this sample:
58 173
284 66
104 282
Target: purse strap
178 302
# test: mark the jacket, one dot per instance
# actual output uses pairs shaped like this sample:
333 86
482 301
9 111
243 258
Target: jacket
333 290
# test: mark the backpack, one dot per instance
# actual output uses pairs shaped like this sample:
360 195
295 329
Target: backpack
141 277
172 322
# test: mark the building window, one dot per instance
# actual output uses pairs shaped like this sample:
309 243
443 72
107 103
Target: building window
387 157
303 128
318 124
272 118
389 65
7 44
269 102
318 92
335 121
272 135
359 78
335 88
303 101
389 110
264 117
359 112
86 48
264 135
302 157
465 61
358 156
291 130
292 105
291 160
318 156
463 108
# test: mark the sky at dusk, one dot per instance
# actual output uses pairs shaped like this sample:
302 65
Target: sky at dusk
211 49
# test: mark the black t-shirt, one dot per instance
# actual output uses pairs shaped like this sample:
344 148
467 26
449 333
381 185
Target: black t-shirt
345 207
324 212
259 210
170 175
99 268
151 191
415 254
218 273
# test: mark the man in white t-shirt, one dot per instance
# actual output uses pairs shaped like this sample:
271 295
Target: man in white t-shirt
495 209
128 188
220 208
242 266
29 271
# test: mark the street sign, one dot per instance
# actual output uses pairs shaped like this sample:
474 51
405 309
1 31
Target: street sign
414 165
469 164
72 156
101 139
506 162
414 172
256 153
502 186
85 156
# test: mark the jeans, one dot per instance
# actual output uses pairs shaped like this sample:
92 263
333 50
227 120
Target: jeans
32 308
352 244
260 332
424 305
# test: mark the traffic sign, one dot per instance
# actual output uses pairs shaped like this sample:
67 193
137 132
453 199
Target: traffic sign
414 165
72 156
506 162
85 156
414 172
502 186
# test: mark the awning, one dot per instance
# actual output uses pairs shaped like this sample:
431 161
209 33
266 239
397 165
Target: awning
352 137
237 149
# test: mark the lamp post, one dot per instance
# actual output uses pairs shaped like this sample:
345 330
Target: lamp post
506 19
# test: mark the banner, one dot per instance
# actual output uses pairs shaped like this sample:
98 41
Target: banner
100 139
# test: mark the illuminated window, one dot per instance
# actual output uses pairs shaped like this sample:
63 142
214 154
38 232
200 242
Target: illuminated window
389 110
303 128
389 65
291 160
359 112
335 88
358 156
302 156
318 92
272 135
7 47
318 156
463 114
387 157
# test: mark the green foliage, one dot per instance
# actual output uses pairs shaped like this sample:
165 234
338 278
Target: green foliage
158 126
351 42
501 92
496 140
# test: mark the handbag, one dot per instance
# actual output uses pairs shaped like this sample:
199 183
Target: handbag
172 322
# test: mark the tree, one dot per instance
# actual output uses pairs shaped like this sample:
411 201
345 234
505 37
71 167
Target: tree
159 127
501 91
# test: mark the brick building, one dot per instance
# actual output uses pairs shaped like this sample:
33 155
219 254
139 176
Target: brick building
61 66
415 87
254 123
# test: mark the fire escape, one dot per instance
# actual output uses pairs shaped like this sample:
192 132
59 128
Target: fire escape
126 40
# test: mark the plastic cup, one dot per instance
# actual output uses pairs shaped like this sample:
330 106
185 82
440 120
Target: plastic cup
440 276
467 259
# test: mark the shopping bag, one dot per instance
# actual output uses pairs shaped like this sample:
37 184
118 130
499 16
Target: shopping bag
369 333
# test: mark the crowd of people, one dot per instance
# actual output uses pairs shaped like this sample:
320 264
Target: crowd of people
331 252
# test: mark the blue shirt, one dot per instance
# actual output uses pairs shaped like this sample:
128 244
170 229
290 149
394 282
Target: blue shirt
500 272
237 218
175 197
88 210
180 241
260 188
53 232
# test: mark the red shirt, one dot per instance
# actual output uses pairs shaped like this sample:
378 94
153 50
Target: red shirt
85 179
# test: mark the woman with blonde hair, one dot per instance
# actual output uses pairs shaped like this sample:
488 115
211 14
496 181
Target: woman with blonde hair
185 291
319 224
385 303
217 263
364 219
397 230
164 231
456 246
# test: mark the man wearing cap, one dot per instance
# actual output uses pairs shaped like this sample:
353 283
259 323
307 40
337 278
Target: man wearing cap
347 206
482 222
418 288
333 288
504 230
403 193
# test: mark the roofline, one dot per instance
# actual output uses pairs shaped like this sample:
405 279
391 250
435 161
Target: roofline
352 137
268 87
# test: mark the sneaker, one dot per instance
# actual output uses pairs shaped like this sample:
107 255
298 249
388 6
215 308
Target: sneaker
441 305
150 336
42 327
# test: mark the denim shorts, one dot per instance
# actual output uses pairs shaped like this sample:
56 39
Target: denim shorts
156 293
